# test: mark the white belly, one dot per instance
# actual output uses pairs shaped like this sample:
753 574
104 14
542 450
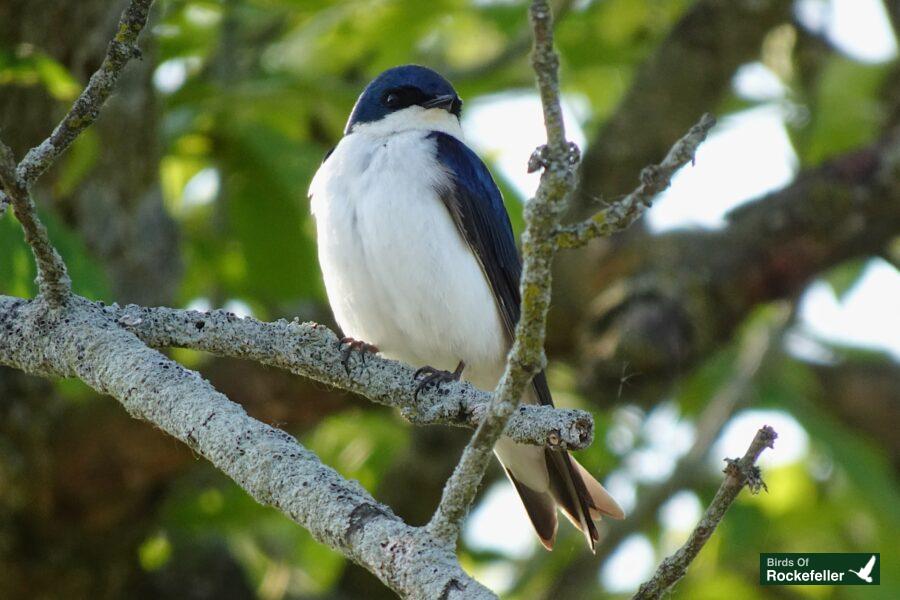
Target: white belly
397 272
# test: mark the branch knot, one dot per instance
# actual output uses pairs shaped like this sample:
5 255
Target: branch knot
538 159
544 158
749 475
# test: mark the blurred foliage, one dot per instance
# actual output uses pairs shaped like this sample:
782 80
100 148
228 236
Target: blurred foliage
847 109
28 67
254 92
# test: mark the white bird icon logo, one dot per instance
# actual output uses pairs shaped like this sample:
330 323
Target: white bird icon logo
864 573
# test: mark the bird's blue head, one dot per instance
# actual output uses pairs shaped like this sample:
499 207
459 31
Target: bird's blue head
400 88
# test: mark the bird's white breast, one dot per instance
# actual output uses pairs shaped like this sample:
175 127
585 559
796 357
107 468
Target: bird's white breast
397 271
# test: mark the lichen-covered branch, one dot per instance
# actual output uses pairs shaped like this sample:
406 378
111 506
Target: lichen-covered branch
53 280
82 340
86 107
60 334
312 350
542 213
738 473
654 179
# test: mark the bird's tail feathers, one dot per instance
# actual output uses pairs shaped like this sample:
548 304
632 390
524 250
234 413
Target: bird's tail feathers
601 502
581 497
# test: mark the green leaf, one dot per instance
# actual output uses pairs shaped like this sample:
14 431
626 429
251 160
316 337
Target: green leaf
31 68
846 110
842 277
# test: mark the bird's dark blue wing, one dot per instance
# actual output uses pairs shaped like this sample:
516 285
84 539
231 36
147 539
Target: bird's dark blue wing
477 208
476 205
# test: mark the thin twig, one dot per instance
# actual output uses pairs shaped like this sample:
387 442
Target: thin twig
738 473
52 278
526 358
86 107
654 179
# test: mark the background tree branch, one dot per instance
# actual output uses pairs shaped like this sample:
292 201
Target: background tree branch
677 299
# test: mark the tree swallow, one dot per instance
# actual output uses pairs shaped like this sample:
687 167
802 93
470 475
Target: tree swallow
419 260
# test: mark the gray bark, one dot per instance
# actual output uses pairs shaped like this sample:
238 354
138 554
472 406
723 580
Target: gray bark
81 340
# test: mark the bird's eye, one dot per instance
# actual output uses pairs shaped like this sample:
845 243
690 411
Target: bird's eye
392 100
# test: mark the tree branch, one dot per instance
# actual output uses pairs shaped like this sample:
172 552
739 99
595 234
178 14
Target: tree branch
526 358
738 473
654 179
312 350
53 280
81 340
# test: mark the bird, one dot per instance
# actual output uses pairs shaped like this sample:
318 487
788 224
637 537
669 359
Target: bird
420 264
866 572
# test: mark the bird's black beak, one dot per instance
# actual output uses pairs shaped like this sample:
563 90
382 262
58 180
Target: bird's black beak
447 102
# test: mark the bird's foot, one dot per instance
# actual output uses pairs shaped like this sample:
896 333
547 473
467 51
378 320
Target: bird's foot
430 375
352 344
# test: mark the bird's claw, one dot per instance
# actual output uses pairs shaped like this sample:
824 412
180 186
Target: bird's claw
436 377
353 344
